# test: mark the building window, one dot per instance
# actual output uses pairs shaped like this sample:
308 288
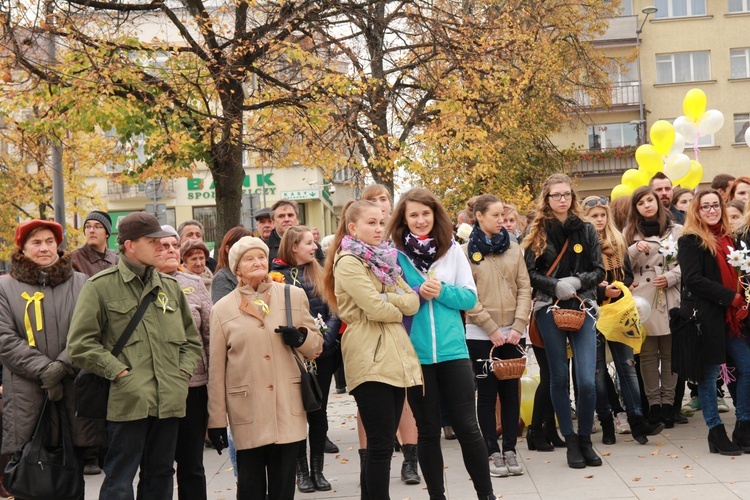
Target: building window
741 124
679 8
739 63
683 67
739 5
626 7
207 217
612 135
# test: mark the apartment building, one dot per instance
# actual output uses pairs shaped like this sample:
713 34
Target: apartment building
684 44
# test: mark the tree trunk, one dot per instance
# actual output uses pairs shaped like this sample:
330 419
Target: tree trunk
228 174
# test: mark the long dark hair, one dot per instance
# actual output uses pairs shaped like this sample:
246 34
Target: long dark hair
536 241
632 228
442 228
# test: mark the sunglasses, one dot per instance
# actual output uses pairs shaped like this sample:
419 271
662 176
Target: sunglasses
596 202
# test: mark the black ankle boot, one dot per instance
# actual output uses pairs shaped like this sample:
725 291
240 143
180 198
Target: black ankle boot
362 462
741 435
574 456
608 429
550 432
587 450
304 483
718 442
316 474
667 416
639 428
654 414
409 473
536 440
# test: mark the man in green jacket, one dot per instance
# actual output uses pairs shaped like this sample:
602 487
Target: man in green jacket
150 376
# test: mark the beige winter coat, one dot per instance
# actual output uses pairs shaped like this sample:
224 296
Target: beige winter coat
503 291
646 266
253 377
375 345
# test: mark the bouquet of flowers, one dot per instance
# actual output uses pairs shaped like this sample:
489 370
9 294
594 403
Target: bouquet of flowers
321 324
464 231
740 260
668 248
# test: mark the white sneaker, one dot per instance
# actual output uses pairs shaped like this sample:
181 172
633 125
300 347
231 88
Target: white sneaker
497 466
722 405
594 427
621 423
514 468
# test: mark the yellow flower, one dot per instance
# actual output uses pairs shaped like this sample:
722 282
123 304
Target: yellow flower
276 276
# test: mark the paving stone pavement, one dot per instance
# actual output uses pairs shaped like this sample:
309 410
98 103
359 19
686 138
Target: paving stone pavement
674 465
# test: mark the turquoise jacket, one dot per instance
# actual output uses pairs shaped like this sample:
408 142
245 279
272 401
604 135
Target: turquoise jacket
437 331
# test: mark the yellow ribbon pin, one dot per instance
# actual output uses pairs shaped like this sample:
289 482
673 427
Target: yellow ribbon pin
163 301
188 290
37 300
263 306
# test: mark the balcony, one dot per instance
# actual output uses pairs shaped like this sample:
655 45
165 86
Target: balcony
623 95
603 162
621 31
151 190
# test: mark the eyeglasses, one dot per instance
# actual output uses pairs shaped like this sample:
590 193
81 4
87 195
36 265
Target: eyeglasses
596 202
560 196
95 227
173 246
707 208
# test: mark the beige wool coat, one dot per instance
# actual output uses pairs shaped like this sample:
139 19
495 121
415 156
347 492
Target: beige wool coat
375 345
253 378
646 267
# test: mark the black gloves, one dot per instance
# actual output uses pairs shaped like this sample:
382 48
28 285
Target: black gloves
292 336
218 438
51 378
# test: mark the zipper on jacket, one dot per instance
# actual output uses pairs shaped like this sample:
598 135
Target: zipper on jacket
434 334
377 348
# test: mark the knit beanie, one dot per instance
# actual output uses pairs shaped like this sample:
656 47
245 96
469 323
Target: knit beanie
103 218
243 245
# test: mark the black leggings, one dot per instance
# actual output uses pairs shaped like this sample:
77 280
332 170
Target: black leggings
453 383
380 407
543 411
318 420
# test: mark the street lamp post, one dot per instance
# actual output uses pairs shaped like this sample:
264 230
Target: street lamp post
642 121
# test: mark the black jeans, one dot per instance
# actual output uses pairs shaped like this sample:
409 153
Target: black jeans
318 420
148 443
488 389
543 411
380 407
451 382
267 470
191 476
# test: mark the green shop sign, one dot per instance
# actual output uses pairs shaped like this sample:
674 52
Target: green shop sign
263 184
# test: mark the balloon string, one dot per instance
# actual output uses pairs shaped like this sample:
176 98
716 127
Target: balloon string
695 145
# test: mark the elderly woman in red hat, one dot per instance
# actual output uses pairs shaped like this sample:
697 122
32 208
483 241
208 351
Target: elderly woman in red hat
194 255
37 299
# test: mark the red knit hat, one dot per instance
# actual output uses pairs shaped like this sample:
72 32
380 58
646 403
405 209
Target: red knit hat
24 228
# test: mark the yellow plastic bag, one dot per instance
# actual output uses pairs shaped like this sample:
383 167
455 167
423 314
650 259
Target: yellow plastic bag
619 321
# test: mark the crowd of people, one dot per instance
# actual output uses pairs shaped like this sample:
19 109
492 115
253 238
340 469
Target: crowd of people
218 351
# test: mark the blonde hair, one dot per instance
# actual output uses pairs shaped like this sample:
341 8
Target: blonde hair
351 213
610 234
695 225
312 271
537 238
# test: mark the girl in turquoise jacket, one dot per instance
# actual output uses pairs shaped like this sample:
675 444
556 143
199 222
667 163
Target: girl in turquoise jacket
436 268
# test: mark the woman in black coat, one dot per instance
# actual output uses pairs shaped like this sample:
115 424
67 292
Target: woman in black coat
710 287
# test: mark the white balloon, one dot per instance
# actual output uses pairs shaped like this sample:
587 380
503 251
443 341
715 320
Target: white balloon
747 136
710 122
643 306
678 146
687 128
677 167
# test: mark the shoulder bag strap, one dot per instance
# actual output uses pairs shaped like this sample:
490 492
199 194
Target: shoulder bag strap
558 259
148 299
289 321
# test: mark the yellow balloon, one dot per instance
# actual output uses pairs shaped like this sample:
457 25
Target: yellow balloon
692 178
650 161
621 190
662 136
634 178
694 104
528 390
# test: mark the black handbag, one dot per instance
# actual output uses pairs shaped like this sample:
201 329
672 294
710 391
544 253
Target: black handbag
42 471
312 396
687 346
91 390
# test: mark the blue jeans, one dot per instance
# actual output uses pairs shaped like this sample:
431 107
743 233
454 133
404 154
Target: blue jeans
583 344
623 357
149 443
739 349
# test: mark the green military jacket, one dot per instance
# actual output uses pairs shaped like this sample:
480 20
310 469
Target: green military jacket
161 354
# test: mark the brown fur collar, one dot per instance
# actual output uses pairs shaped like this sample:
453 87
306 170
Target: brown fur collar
26 270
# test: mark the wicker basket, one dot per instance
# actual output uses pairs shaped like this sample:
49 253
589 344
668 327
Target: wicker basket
507 369
570 320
